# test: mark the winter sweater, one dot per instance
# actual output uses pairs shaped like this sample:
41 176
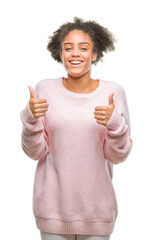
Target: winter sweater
73 191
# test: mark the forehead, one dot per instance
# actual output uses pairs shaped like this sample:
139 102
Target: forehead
76 36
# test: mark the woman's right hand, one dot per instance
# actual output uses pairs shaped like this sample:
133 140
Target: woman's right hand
38 106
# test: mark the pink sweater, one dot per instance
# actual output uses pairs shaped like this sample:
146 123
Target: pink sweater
73 190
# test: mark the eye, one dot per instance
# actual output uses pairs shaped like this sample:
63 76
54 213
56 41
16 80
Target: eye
68 49
84 49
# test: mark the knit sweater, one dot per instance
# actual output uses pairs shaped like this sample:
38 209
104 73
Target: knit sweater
73 191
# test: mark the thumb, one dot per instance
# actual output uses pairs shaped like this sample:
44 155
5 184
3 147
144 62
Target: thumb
111 101
32 93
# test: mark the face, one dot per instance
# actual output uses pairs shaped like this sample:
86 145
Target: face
77 53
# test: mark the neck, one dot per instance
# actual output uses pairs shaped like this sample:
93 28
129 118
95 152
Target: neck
78 84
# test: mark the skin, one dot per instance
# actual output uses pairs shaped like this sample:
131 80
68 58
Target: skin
38 106
76 46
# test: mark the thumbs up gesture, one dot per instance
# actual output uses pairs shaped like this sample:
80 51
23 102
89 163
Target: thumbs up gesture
103 114
38 106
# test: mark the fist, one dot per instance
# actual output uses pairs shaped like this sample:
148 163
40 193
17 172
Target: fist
103 114
38 106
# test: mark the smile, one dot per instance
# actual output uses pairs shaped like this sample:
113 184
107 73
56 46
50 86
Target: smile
76 63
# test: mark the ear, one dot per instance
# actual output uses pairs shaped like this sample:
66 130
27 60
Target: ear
94 57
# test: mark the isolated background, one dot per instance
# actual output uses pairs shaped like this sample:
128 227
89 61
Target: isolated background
24 29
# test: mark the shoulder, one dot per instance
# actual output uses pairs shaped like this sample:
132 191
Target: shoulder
117 88
113 86
46 87
45 83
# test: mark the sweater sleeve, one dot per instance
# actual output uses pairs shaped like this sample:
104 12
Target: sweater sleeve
118 144
34 137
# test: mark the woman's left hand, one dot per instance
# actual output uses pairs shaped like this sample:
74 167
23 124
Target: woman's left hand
103 114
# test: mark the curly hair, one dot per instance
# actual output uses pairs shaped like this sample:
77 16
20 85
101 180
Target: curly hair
103 40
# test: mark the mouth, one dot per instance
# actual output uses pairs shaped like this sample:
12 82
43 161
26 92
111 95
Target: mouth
76 63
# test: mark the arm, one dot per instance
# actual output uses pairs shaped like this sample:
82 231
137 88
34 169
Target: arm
118 144
34 138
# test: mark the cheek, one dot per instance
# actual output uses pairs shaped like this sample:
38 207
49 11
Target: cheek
65 63
89 57
63 55
88 60
64 60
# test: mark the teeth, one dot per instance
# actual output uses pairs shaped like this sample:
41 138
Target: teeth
75 62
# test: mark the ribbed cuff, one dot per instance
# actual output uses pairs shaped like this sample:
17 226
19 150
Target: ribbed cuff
28 116
29 121
115 121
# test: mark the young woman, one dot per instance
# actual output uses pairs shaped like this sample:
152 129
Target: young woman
77 128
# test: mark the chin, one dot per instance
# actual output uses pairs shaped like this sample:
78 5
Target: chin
77 74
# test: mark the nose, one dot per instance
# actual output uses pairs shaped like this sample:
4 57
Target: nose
75 52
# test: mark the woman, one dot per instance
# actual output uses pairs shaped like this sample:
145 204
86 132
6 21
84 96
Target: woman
77 128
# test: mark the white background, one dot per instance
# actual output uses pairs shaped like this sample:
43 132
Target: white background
25 27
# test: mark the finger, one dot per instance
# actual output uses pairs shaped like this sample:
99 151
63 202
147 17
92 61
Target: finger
32 93
111 101
37 115
40 110
100 117
40 100
103 112
102 122
100 108
41 105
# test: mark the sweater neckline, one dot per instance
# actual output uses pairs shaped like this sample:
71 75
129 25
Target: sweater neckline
83 95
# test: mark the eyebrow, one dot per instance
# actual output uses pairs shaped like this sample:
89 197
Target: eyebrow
79 43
